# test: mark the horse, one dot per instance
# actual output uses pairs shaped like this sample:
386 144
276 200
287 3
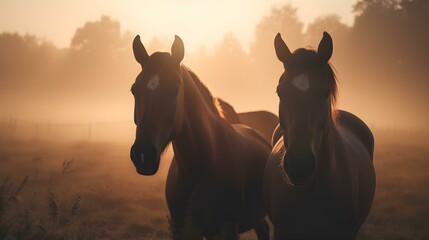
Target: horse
214 183
319 181
263 121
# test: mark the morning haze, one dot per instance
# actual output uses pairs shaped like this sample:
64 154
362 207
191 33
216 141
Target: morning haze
66 110
380 63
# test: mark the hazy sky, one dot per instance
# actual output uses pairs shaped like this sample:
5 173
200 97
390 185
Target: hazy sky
196 21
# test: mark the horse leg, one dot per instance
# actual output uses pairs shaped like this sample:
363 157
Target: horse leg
176 227
178 194
228 231
190 231
279 234
263 230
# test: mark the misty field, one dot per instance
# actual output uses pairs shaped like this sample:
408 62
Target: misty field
90 190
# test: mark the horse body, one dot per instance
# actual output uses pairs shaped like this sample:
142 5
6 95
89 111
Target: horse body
222 188
336 203
262 121
214 184
319 181
216 173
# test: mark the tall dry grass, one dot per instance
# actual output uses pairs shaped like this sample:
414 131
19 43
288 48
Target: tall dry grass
24 216
99 195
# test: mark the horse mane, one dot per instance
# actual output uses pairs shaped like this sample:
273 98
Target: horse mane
332 77
211 101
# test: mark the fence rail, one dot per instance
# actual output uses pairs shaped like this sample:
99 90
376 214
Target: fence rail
111 131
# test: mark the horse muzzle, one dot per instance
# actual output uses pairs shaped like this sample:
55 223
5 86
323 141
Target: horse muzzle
145 158
300 170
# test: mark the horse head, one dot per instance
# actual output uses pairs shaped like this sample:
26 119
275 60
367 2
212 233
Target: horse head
307 91
157 109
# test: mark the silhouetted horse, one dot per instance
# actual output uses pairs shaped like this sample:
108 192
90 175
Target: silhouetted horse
214 184
262 121
319 180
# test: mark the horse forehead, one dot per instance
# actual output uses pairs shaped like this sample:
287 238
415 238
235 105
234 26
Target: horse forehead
159 60
301 82
150 83
153 82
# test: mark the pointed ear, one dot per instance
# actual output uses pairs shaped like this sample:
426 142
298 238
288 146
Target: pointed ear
177 50
282 51
140 53
324 51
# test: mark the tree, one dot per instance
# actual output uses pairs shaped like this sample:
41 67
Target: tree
230 49
330 23
99 60
379 31
225 68
365 6
416 14
283 20
100 36
25 58
388 54
229 65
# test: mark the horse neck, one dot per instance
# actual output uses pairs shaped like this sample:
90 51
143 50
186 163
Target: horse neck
202 128
331 160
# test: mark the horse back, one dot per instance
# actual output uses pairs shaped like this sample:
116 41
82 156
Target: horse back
253 143
358 128
263 121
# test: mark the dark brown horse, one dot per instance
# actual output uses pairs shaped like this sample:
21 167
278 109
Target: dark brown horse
262 121
214 184
319 181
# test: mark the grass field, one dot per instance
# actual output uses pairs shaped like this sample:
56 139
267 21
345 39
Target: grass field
87 190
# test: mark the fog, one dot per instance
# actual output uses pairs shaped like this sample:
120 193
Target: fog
381 63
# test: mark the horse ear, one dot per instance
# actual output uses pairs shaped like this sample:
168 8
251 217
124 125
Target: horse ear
177 50
282 51
140 53
324 51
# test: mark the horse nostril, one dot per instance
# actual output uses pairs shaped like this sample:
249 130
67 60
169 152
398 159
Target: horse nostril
145 159
299 169
134 153
149 152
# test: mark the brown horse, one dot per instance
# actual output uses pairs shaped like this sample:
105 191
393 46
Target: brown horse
262 121
214 184
319 180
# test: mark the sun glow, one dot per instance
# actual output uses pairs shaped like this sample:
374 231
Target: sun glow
218 37
197 22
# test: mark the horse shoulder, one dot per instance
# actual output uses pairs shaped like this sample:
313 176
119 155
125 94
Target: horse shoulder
178 191
239 153
274 183
362 173
252 150
251 134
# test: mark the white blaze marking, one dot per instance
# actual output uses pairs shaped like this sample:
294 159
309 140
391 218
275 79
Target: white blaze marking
302 82
153 83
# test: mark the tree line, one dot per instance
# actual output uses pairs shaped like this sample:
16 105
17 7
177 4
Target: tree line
381 60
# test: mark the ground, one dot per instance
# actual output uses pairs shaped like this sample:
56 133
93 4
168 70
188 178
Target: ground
90 190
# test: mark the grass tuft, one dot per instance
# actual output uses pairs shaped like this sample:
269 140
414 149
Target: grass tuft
50 220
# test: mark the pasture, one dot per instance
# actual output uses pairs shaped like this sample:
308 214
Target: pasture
90 190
